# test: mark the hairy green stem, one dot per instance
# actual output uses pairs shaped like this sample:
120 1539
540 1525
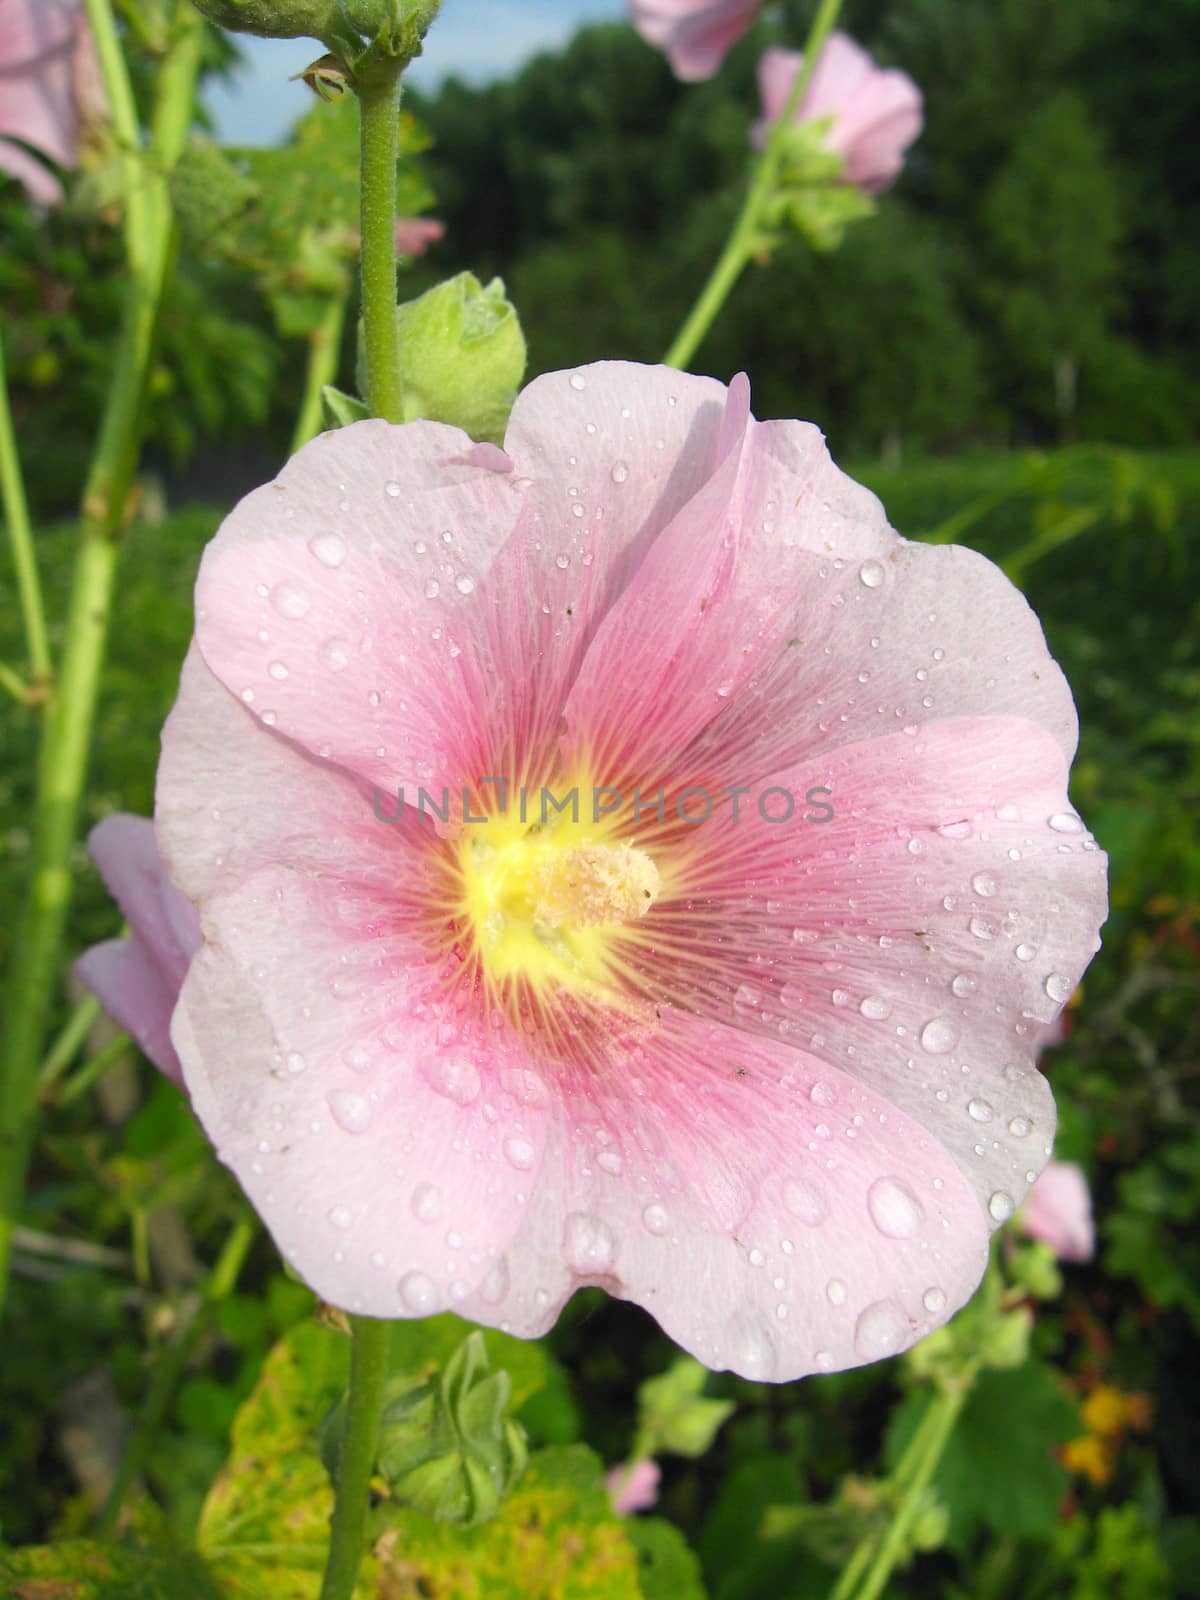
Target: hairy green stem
379 106
324 348
866 1574
740 245
20 536
218 1286
66 734
356 1456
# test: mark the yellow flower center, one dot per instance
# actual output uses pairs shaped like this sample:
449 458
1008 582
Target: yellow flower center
546 904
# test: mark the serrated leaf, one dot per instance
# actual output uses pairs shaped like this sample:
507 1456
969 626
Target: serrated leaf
999 1469
555 1538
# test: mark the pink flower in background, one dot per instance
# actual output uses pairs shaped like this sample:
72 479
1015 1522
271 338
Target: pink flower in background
772 1079
1058 1211
634 1488
693 34
876 114
138 979
49 86
414 235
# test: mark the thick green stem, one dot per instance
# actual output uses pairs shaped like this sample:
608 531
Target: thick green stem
356 1457
20 536
324 348
740 245
66 734
877 1556
379 106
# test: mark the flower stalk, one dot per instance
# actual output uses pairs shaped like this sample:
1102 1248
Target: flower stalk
20 535
378 89
742 241
67 730
356 1456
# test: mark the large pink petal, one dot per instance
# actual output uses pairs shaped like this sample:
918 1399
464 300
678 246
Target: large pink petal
772 1214
390 1144
134 991
922 940
695 35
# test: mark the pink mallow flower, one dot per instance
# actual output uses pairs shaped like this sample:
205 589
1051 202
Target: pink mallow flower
772 1079
414 235
1058 1211
633 1487
138 979
694 35
49 85
875 115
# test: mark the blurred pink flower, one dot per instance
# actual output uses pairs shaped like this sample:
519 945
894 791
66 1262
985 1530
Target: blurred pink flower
414 235
634 1488
693 34
49 86
775 1083
1058 1211
138 979
876 114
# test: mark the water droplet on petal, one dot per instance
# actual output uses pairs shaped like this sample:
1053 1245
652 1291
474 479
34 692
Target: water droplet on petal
895 1209
577 381
1059 987
1066 822
805 1202
835 1291
934 1301
296 1062
495 1286
747 1347
290 600
871 574
457 1080
335 653
963 985
329 548
881 1330
655 1219
1025 952
821 1093
982 927
588 1244
984 884
979 1111
620 472
427 1202
1019 1127
278 671
875 1008
351 1112
520 1153
419 1293
464 584
1000 1206
341 1217
939 1036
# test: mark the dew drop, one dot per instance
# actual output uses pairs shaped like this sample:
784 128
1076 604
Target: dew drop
934 1301
1025 952
351 1112
805 1202
1000 1206
392 489
963 985
875 1008
984 885
655 1220
464 584
427 1202
495 1286
835 1291
747 1347
419 1292
330 548
979 1111
620 471
871 574
296 1062
335 653
982 927
939 1036
340 1217
432 588
1066 822
520 1153
577 381
588 1244
278 671
1058 987
1019 1127
821 1093
881 1330
290 600
895 1209
456 1080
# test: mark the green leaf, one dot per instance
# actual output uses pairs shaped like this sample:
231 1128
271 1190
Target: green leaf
338 409
84 1569
555 1538
668 1568
673 1414
999 1470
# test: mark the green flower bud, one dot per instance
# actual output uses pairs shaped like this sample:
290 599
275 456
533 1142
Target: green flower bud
1004 1340
446 1446
462 356
275 19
